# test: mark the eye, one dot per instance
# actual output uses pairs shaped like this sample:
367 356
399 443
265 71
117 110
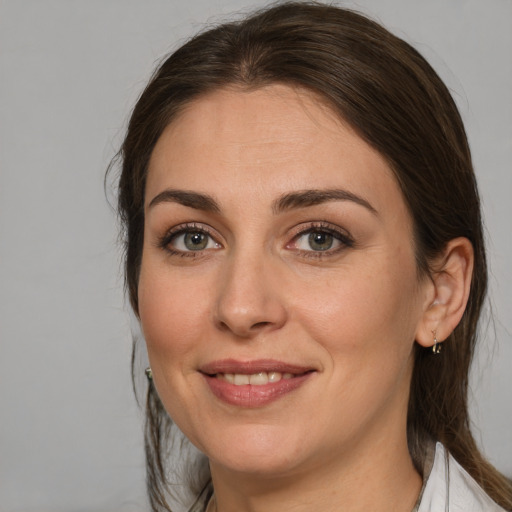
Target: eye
193 241
188 239
320 239
317 241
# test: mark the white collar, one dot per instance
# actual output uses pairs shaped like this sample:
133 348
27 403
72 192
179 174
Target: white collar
450 488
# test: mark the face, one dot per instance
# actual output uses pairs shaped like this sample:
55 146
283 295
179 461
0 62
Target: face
278 292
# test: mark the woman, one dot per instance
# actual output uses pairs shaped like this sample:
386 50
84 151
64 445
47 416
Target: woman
304 252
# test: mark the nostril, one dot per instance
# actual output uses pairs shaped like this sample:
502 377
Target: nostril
223 326
259 325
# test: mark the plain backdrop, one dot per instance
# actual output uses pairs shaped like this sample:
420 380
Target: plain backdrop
70 70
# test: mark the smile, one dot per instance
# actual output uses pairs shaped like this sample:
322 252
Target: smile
255 383
255 379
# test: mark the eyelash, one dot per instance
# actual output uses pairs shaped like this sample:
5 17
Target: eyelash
165 241
345 240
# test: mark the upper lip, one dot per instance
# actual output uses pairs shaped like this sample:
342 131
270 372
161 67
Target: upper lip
252 367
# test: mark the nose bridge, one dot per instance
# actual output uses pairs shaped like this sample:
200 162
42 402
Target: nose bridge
248 299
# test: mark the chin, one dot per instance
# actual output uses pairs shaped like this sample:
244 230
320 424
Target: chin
258 465
257 451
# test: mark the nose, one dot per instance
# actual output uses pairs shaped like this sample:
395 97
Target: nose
249 300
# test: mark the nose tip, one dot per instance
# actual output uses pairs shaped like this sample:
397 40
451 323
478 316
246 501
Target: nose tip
244 327
248 303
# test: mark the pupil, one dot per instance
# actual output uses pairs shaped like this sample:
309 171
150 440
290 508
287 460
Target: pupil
195 241
320 241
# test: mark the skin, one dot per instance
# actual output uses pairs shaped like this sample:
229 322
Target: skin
258 290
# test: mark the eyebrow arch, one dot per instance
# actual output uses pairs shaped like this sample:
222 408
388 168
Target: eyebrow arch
290 201
186 198
305 198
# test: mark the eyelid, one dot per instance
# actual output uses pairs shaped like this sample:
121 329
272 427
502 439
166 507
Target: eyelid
164 242
340 234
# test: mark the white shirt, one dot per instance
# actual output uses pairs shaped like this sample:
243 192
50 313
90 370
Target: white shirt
450 488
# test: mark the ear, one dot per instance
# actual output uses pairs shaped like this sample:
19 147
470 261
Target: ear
449 287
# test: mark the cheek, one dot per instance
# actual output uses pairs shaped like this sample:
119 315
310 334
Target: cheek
373 307
171 314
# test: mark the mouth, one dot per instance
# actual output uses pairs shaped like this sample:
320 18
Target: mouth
255 379
255 383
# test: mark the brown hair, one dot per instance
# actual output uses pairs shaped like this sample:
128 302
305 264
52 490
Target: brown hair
396 102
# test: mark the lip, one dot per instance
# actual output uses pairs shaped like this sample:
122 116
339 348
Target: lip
255 366
248 395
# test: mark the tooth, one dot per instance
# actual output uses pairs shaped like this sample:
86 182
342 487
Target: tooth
259 379
256 379
274 376
240 380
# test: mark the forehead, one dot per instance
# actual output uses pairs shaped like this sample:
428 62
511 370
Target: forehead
265 141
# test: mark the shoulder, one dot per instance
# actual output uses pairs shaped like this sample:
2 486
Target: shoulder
450 488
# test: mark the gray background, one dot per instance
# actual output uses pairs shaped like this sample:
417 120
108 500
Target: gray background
70 431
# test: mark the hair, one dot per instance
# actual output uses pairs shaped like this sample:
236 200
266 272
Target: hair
387 92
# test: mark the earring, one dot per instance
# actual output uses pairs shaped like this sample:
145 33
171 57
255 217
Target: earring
149 373
436 348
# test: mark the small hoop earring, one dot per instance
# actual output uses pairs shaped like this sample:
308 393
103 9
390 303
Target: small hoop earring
149 373
436 348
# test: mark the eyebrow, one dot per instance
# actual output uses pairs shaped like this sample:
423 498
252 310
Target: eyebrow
290 201
186 198
305 198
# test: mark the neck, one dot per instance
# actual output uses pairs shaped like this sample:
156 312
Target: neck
382 480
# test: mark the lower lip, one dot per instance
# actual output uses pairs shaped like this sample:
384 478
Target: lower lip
251 396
